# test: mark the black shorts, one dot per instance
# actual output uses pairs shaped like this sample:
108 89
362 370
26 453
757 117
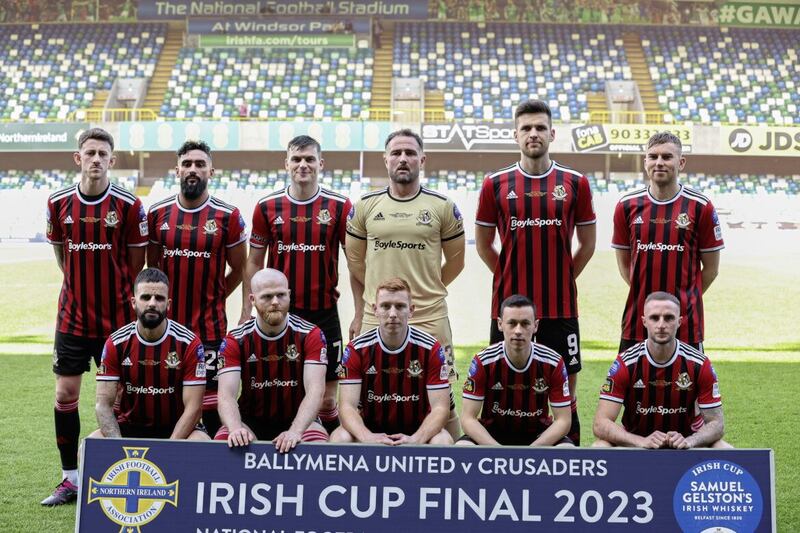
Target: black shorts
627 344
516 441
559 334
71 354
132 431
328 321
211 350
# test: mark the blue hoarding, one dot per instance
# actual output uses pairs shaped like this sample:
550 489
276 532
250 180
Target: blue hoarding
150 486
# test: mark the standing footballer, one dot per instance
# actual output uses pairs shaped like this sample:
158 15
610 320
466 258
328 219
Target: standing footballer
193 235
667 238
536 205
98 231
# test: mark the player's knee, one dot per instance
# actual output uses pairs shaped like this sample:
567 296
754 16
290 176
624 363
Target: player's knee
722 445
442 438
328 402
198 435
341 435
599 443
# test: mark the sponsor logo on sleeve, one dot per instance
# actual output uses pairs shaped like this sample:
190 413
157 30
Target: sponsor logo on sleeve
614 368
473 368
469 385
608 386
457 213
444 372
565 389
718 233
715 390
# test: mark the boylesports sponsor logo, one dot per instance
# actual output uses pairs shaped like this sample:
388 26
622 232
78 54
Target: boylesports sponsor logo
133 389
658 247
496 409
398 245
272 383
533 222
87 246
184 252
658 410
295 247
393 397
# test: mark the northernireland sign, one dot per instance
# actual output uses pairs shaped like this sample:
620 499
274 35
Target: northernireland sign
150 486
50 137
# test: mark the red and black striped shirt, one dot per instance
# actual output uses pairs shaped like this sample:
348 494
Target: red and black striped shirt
95 235
194 249
661 397
515 400
666 240
394 383
272 367
152 374
536 218
303 240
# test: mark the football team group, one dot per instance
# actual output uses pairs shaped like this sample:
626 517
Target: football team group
168 367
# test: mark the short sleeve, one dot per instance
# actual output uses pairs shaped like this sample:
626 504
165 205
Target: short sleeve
585 206
452 222
437 372
486 214
622 232
237 229
474 385
229 356
558 386
194 364
616 384
109 363
342 227
54 234
708 396
710 230
137 230
356 225
260 235
315 348
349 371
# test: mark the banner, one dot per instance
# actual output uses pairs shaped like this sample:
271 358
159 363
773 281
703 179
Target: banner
333 40
759 14
296 25
150 486
49 137
760 140
481 137
338 136
181 9
624 138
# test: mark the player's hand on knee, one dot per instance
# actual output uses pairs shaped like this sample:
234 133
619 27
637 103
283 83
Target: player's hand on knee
379 438
287 441
240 437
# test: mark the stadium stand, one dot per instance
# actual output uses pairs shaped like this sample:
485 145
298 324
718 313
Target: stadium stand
52 180
270 83
48 71
485 69
725 75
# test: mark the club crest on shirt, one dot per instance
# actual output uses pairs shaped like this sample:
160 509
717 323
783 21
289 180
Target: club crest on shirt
414 369
540 385
324 216
682 221
210 227
424 218
683 382
172 361
291 353
111 219
559 193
